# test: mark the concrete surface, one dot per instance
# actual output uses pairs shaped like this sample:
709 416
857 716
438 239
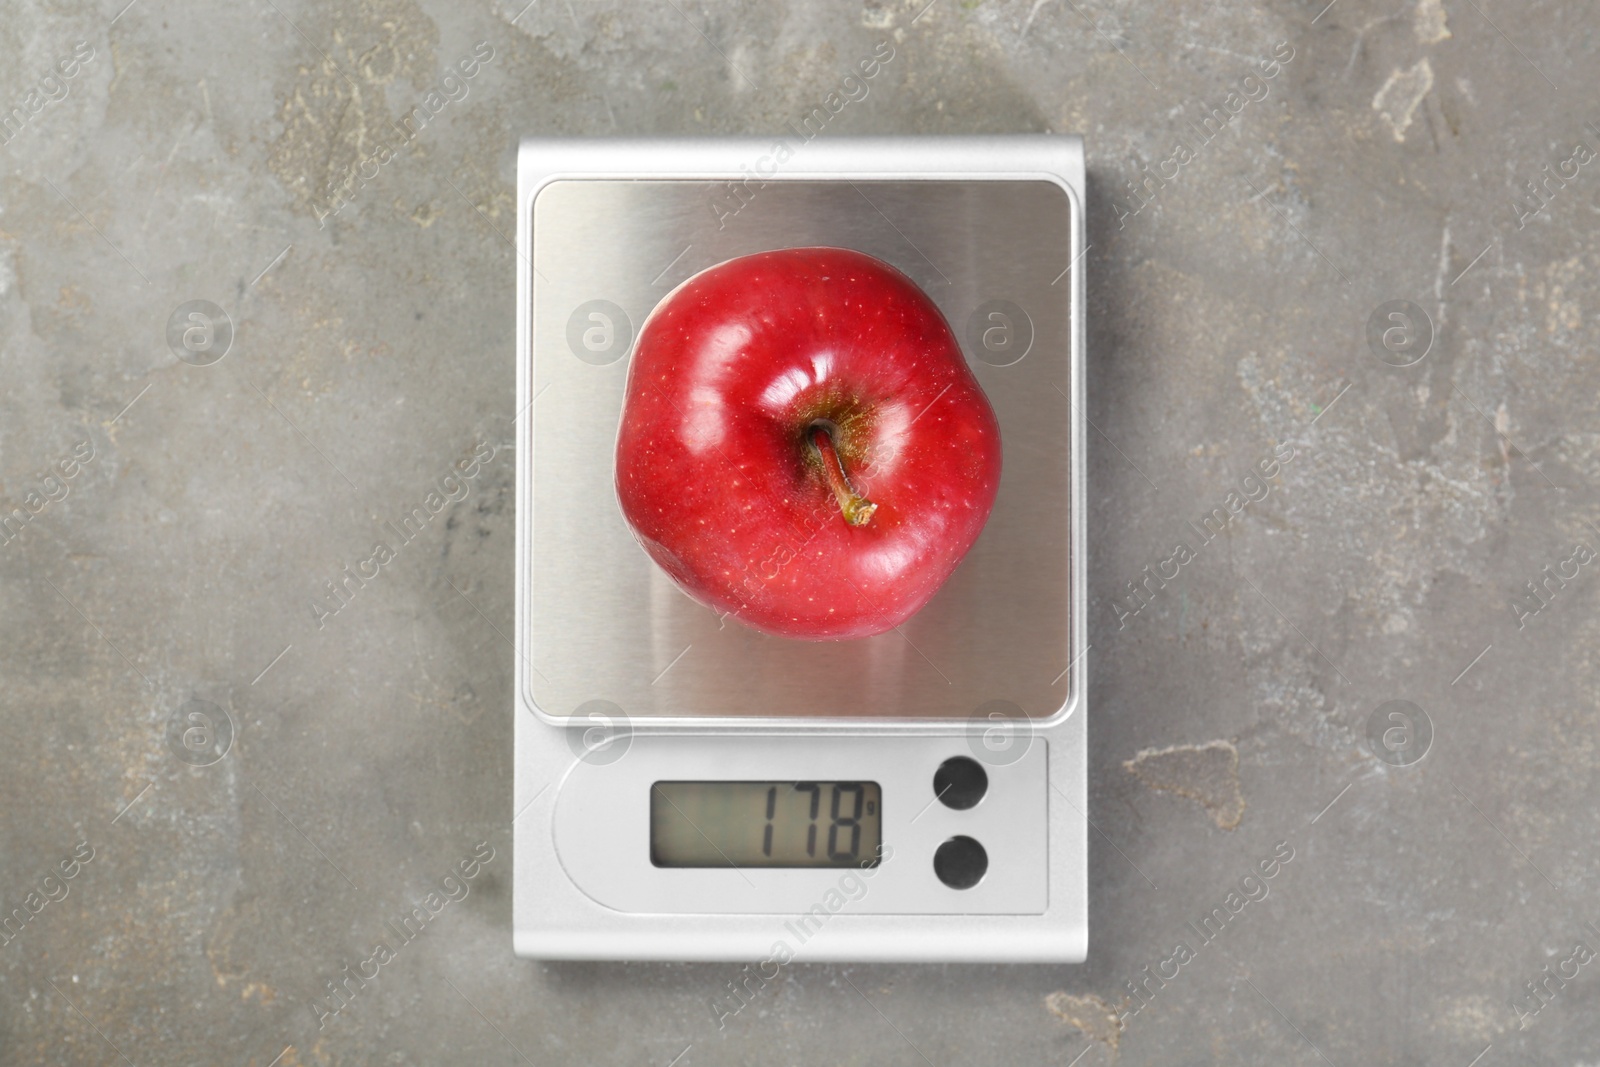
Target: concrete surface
189 157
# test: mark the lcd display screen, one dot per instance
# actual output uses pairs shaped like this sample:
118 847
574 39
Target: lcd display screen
765 824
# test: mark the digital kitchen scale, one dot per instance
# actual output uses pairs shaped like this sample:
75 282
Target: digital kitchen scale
690 789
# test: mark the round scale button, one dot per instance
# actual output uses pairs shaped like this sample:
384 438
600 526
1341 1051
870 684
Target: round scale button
960 782
960 863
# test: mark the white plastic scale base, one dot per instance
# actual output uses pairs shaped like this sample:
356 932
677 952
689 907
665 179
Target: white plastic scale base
622 681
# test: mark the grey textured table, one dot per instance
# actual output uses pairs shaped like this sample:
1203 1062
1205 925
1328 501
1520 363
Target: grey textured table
189 543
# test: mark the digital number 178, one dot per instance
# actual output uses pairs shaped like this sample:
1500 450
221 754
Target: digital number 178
849 821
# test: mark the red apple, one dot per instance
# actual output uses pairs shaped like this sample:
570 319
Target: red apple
802 444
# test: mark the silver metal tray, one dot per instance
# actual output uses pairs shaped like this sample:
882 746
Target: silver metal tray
600 622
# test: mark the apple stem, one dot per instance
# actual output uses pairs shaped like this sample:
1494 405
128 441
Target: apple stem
856 508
